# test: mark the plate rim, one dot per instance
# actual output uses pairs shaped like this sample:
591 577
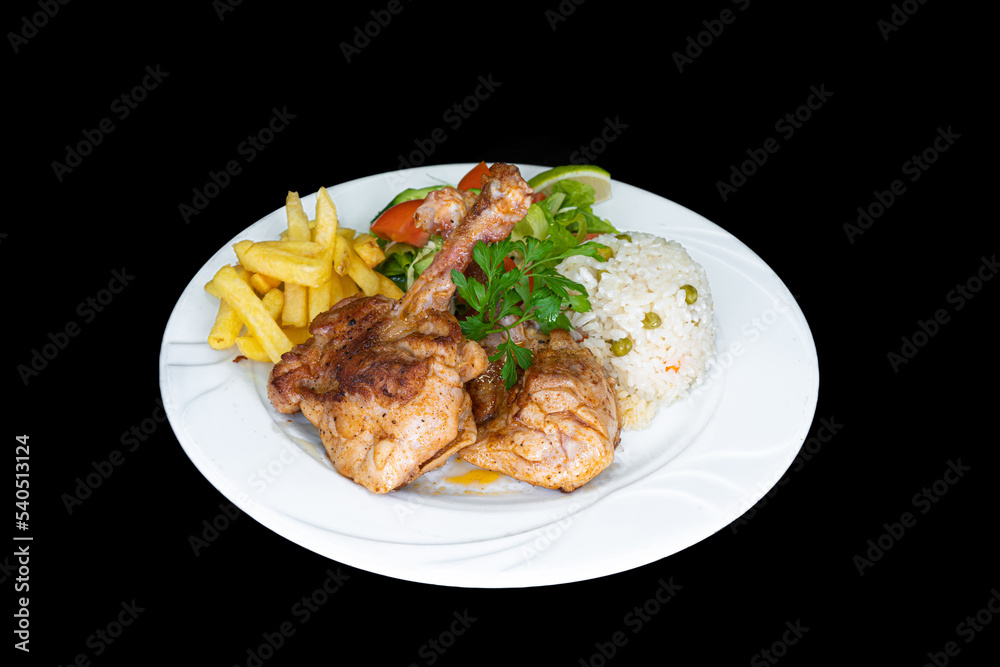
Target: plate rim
291 527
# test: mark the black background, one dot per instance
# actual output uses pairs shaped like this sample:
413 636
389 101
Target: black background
560 81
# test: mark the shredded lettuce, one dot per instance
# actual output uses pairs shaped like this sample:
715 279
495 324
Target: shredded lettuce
398 257
572 208
404 263
577 194
423 259
535 224
565 217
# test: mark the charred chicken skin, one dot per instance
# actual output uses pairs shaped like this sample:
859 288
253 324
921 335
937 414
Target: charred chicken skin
383 380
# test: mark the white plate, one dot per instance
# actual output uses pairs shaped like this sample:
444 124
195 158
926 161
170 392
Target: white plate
703 462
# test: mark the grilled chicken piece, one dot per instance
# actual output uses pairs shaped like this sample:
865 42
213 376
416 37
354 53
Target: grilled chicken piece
558 427
383 380
443 210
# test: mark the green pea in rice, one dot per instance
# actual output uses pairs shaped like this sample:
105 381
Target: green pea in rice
647 275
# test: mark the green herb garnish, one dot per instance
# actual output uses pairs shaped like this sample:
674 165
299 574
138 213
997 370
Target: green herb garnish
532 290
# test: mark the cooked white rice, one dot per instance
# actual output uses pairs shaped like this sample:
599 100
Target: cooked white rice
646 275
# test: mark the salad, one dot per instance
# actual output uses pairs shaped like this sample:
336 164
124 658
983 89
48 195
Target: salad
517 279
561 212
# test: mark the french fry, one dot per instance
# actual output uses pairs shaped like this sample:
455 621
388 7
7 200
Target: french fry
241 248
326 219
341 246
226 328
297 335
281 264
367 248
210 286
295 309
251 348
350 287
337 289
363 275
273 282
388 288
319 299
274 302
258 283
298 221
263 284
325 234
241 297
320 264
303 248
346 288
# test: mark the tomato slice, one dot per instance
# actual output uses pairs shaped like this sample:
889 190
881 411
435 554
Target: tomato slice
397 224
509 264
474 179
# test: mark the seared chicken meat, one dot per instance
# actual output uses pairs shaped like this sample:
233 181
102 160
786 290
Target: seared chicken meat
383 380
443 210
557 427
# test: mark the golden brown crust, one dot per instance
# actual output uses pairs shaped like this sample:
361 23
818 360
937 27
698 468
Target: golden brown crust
557 427
383 380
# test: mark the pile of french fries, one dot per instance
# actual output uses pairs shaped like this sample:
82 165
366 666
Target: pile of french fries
268 299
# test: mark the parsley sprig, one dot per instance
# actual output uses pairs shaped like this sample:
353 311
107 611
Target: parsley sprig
532 290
